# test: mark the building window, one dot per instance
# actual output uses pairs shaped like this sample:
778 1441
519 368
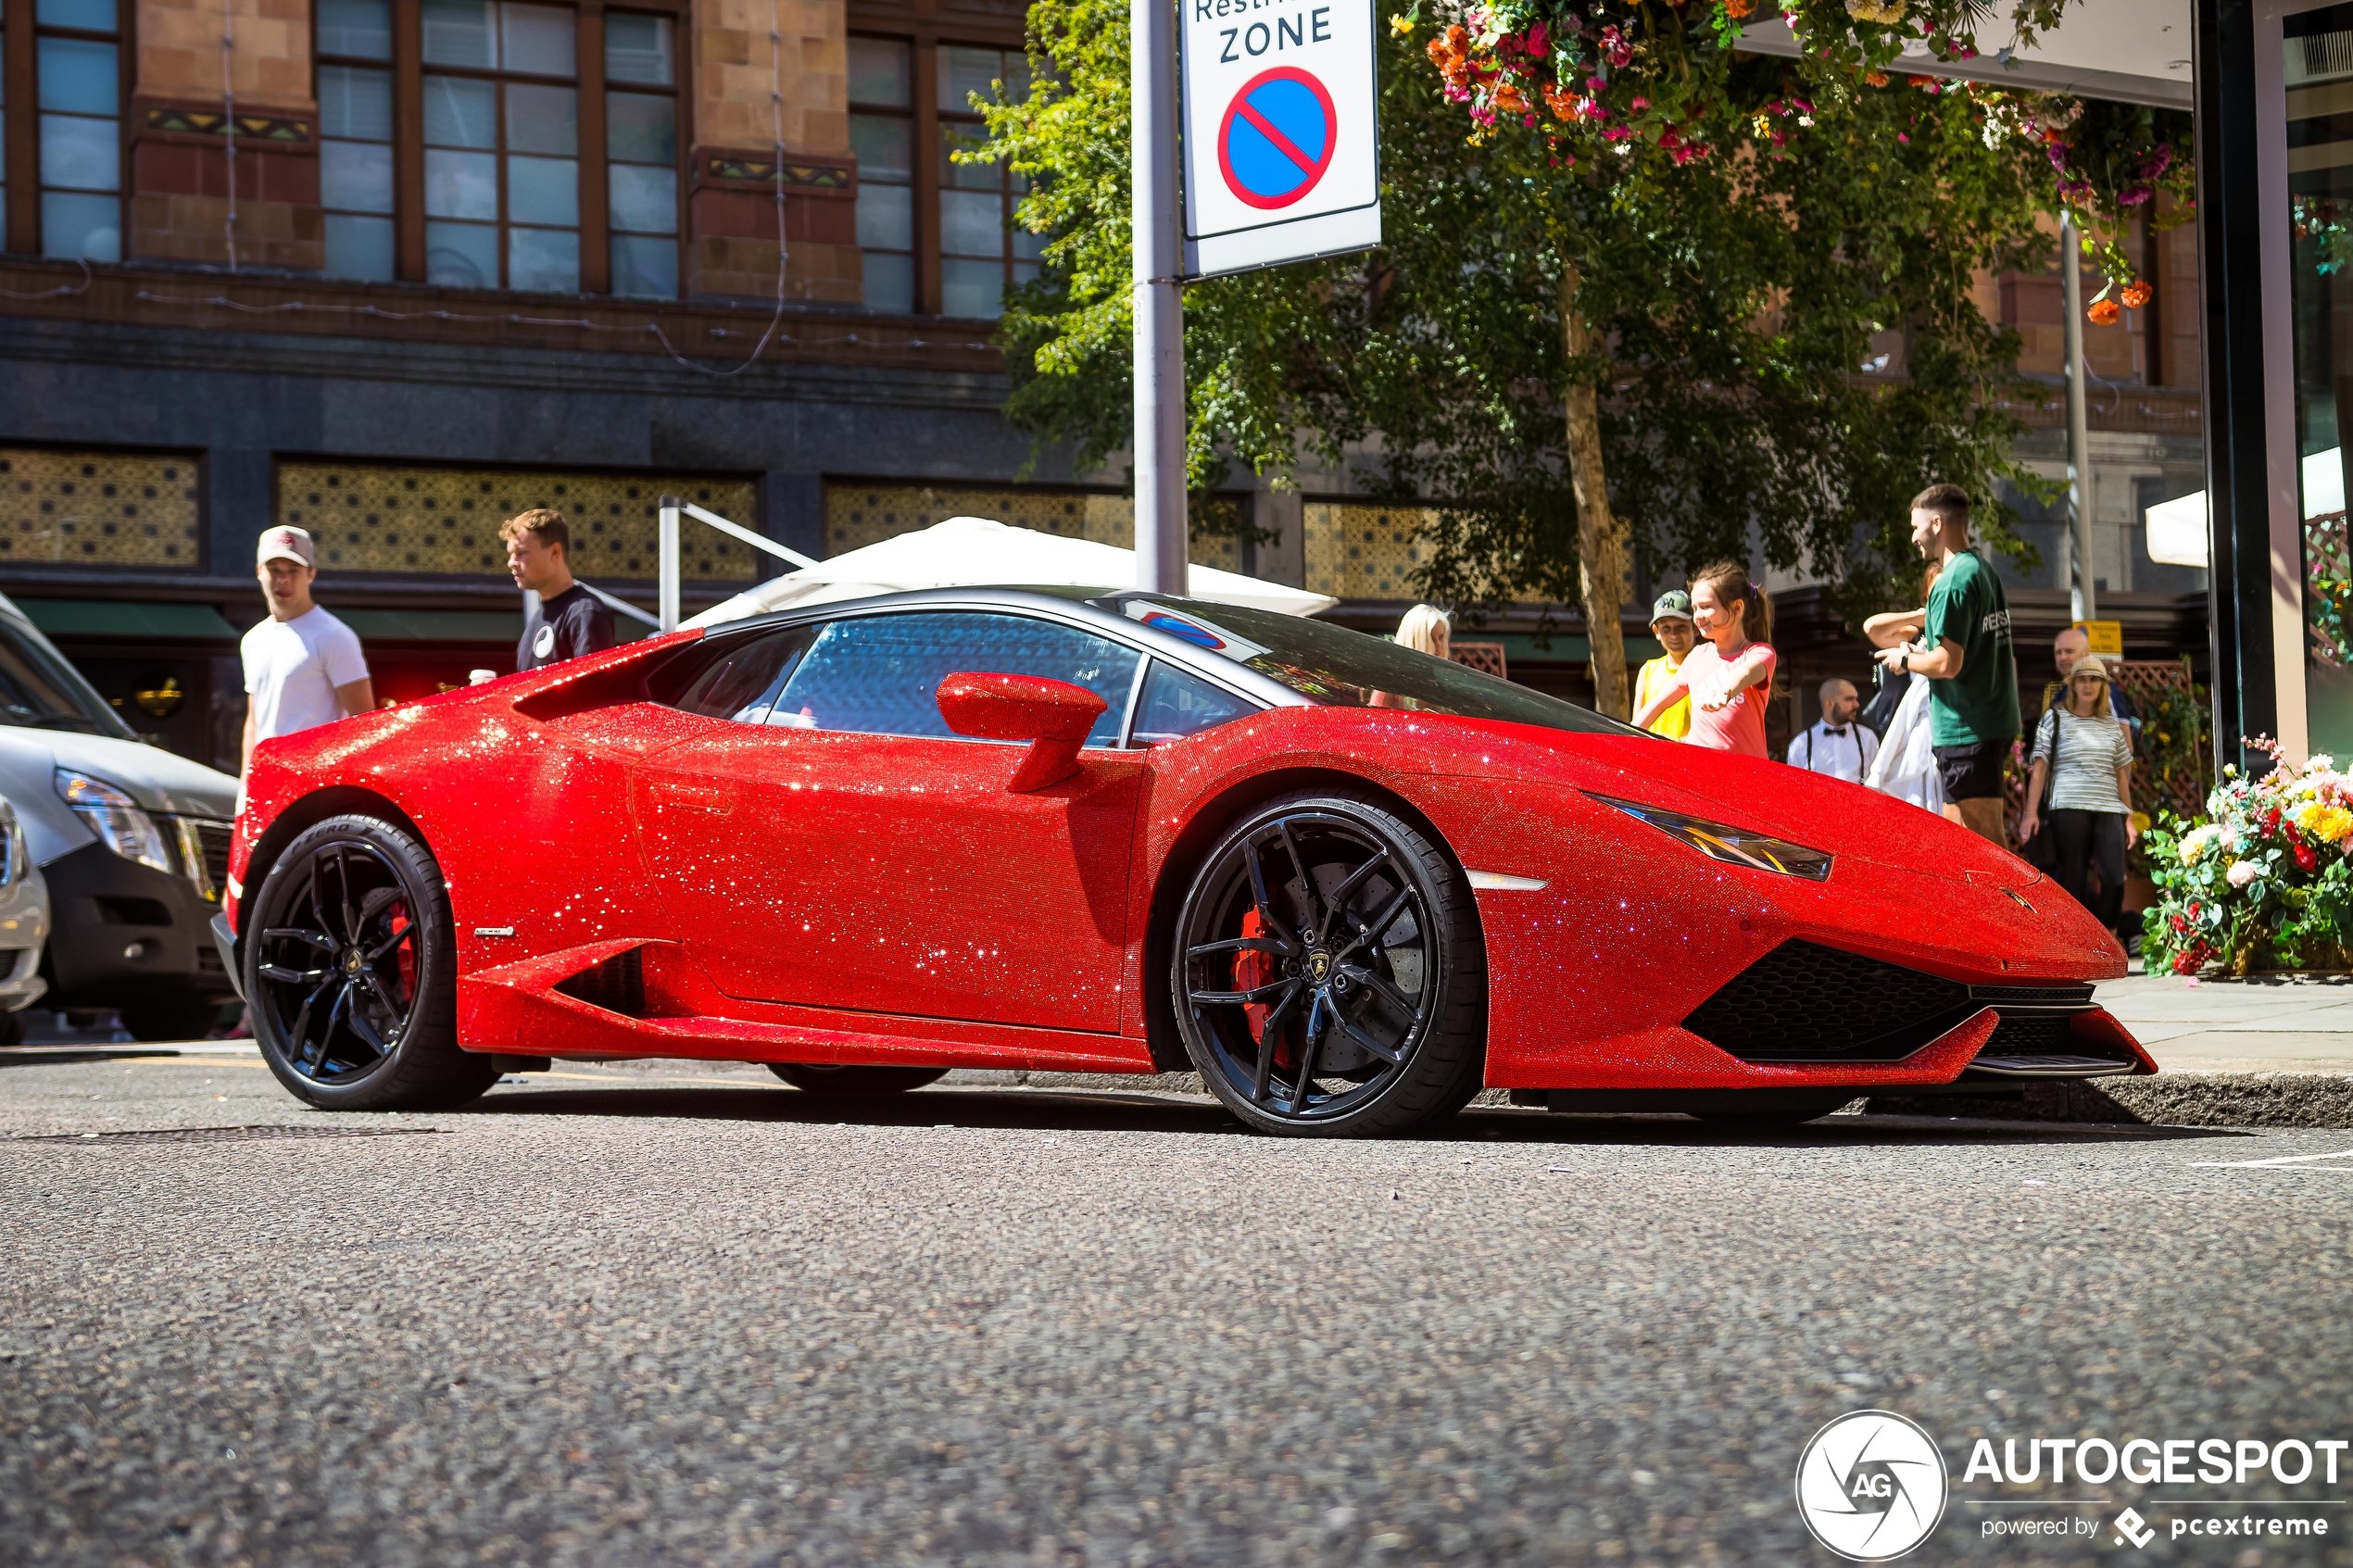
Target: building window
936 235
641 150
882 135
99 508
981 253
355 137
451 154
78 56
502 146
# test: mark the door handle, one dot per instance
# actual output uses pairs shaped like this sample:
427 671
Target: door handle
705 799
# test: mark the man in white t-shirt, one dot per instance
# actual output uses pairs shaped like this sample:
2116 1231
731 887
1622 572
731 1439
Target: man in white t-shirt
303 667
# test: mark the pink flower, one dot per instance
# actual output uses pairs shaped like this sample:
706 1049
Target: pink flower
1537 41
2243 871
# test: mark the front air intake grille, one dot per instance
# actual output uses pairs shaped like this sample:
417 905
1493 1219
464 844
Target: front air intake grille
617 985
1806 1002
2033 1034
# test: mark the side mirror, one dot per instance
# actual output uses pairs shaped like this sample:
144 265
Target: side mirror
1053 716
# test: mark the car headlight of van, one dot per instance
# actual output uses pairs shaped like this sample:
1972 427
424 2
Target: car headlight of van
1734 846
120 826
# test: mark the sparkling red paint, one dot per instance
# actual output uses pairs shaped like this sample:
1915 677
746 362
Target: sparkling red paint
827 897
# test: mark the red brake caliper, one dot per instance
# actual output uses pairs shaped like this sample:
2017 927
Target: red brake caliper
1251 970
407 956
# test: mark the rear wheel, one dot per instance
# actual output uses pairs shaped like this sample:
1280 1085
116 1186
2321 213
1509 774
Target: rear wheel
856 1080
1328 977
351 968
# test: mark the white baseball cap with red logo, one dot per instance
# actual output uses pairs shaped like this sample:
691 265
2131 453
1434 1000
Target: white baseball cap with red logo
287 544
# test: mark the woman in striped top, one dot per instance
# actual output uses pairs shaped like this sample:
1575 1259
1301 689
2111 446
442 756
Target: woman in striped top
2087 758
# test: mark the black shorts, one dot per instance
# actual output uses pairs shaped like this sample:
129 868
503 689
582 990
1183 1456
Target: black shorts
1973 771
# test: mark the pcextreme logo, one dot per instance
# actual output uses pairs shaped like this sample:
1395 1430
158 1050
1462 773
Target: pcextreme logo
1872 1485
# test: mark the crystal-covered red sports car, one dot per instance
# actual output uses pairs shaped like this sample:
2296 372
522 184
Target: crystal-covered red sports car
1347 883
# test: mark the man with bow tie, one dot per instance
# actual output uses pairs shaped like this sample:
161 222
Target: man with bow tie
1838 747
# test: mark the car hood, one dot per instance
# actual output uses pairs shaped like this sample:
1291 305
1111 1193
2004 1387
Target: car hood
156 779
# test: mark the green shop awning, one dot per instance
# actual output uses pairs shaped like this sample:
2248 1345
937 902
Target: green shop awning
1519 645
119 618
433 625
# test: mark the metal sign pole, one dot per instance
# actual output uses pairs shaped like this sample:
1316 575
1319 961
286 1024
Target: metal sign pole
2084 602
1161 548
667 543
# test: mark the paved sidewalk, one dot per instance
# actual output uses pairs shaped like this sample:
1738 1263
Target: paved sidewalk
2268 1023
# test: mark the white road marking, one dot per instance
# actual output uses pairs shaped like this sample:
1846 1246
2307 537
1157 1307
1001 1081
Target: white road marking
2285 1161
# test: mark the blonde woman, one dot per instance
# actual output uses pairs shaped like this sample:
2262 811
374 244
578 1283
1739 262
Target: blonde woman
2087 755
1424 629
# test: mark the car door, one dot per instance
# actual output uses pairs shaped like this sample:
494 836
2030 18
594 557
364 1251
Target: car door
836 846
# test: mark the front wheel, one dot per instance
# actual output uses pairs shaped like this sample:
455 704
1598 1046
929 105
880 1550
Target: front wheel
856 1080
1328 977
350 960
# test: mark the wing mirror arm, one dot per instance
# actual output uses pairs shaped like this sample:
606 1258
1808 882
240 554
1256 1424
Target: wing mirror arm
1054 717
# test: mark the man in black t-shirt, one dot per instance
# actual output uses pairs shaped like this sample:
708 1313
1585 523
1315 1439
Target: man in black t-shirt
569 621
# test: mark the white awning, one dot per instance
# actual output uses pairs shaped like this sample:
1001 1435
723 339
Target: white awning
2131 51
974 552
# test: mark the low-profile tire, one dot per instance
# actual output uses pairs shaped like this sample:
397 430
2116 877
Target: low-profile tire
1328 976
351 965
191 1020
856 1080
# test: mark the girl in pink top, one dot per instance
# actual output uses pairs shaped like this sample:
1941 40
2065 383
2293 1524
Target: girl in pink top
1728 677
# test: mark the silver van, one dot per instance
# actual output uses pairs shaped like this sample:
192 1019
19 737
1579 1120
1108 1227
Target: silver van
131 840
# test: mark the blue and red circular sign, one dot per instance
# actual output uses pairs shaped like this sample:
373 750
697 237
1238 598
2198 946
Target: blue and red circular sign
1277 137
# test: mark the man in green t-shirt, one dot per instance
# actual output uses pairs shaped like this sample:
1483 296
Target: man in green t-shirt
1968 659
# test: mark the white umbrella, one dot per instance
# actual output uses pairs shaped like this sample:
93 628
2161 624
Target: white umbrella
973 552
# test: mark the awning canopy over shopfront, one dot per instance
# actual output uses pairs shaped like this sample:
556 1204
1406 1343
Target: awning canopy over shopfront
2132 51
971 552
433 625
122 618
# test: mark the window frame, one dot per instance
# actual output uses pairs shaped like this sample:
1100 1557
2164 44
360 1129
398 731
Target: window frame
588 82
910 112
20 26
666 685
925 38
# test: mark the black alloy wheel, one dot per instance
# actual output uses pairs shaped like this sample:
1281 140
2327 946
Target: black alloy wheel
351 965
856 1080
1328 976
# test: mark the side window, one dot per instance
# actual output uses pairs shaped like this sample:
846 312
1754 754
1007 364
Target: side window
880 675
1176 703
742 682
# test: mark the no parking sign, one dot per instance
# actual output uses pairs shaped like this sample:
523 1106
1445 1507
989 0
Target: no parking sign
1281 161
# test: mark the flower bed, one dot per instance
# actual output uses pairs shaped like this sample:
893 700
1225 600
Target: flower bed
2265 882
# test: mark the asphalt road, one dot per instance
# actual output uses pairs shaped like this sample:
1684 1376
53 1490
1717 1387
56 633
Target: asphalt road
679 1315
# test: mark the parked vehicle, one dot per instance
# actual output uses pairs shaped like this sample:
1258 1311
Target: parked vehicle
131 841
24 927
1348 883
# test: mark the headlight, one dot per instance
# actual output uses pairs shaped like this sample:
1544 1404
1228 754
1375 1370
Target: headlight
115 819
1734 846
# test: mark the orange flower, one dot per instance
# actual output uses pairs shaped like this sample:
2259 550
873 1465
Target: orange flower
1877 78
1508 99
1736 9
2137 293
1562 103
2104 313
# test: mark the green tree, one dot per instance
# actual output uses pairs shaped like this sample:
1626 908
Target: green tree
1698 325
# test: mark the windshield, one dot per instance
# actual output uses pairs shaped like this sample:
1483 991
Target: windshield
40 690
1342 669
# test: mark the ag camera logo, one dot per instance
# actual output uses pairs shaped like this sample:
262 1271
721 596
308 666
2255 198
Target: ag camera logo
1872 1485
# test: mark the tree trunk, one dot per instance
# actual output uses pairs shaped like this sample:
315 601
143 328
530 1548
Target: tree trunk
1601 553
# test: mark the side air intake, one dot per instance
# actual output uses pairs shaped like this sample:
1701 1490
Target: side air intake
617 985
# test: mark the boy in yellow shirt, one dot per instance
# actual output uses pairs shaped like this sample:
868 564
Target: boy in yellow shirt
1671 624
